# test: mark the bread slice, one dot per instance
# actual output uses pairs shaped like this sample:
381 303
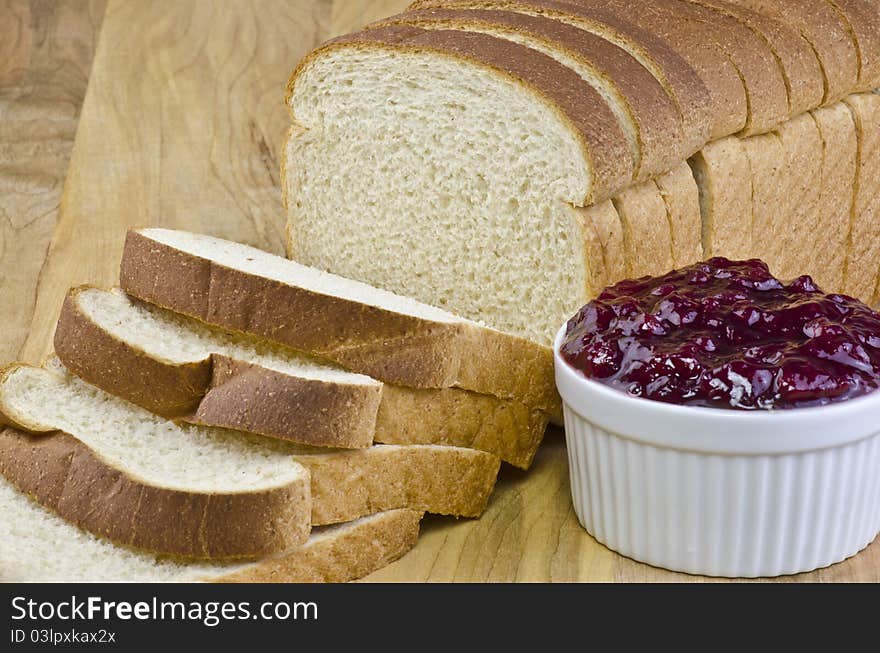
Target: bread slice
139 480
863 20
647 114
800 201
39 546
682 198
863 258
797 60
839 178
176 367
389 337
826 31
161 361
685 26
647 236
604 221
724 178
431 478
767 162
441 479
680 74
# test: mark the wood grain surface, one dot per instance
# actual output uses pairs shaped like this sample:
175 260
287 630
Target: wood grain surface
46 51
181 126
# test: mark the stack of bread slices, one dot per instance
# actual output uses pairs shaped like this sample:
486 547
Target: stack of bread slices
527 153
229 415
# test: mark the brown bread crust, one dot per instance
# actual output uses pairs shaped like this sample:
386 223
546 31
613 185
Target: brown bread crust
691 95
363 548
826 30
247 397
389 346
863 18
267 402
443 480
798 62
652 110
449 416
575 102
65 476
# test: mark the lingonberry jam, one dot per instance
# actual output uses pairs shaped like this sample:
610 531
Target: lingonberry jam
727 334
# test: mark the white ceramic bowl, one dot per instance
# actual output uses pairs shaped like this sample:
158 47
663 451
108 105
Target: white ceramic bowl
718 492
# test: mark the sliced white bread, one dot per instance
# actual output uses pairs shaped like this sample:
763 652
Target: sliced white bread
177 367
827 31
441 479
686 25
360 327
488 148
687 76
797 59
648 116
136 479
40 547
163 361
724 178
863 260
767 158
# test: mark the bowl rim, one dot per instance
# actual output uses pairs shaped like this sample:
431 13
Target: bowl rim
713 430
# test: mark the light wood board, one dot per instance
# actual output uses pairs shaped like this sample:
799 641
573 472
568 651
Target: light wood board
181 126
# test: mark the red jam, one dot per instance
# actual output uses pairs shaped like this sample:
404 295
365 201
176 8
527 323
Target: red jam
727 334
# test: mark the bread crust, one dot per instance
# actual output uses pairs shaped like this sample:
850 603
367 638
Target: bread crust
691 95
863 21
826 31
67 477
862 270
386 345
218 390
652 111
576 103
797 59
346 485
507 429
346 553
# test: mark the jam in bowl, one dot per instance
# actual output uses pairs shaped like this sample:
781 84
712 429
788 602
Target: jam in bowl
727 334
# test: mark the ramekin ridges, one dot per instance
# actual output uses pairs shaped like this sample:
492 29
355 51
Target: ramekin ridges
717 492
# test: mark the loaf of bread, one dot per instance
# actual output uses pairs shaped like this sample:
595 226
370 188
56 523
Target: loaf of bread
177 367
449 133
139 480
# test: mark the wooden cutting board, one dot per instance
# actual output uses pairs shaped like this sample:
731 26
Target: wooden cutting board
181 126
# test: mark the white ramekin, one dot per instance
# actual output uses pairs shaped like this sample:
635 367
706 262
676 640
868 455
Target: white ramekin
717 492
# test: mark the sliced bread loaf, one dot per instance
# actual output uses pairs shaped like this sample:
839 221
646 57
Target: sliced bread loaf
39 546
137 479
163 361
431 478
389 337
